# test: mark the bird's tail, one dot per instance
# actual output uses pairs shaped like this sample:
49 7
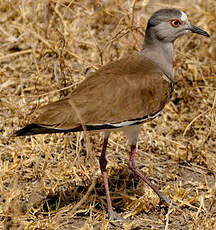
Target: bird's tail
33 129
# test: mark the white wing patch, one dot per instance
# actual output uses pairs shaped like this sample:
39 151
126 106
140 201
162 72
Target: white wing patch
184 16
121 124
126 123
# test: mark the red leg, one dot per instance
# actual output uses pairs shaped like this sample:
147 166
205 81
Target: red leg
103 163
133 167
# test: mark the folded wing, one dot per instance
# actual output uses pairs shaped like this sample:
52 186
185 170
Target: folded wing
130 89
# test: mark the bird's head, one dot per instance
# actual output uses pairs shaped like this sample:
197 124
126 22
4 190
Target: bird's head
169 24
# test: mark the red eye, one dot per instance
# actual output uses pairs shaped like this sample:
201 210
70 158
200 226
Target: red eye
175 22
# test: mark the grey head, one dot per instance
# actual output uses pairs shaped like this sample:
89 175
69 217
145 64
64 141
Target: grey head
168 24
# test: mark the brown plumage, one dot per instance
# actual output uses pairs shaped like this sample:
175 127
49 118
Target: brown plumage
122 94
128 87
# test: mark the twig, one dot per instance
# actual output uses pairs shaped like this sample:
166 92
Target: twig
16 54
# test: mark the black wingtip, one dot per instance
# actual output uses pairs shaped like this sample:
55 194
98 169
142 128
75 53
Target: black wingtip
33 129
30 129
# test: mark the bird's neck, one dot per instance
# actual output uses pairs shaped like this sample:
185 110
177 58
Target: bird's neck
161 53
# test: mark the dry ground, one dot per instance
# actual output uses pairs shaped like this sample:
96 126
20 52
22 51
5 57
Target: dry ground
53 181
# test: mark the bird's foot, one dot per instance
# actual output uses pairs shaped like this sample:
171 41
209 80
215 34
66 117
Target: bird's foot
168 201
115 219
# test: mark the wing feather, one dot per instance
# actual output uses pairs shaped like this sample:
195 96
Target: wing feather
123 90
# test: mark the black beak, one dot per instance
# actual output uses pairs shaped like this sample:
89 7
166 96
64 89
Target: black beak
197 30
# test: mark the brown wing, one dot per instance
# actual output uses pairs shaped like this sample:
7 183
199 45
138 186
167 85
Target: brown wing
127 89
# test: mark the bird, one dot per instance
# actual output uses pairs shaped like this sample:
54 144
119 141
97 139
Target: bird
122 95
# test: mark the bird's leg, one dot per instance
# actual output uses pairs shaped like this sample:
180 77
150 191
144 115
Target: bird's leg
132 166
103 163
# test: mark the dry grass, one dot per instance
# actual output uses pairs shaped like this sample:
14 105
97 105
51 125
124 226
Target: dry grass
53 181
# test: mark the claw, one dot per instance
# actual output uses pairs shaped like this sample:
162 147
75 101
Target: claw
115 219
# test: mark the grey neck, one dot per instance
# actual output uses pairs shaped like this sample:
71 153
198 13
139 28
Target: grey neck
161 53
